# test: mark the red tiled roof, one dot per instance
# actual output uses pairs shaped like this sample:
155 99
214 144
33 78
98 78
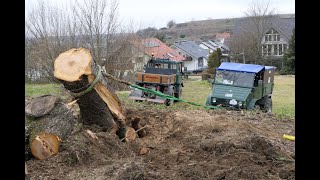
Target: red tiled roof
160 49
224 35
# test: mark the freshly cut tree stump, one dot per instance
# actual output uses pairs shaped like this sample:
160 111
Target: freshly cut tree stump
98 104
46 132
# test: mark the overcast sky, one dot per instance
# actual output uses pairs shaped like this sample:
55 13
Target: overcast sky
156 13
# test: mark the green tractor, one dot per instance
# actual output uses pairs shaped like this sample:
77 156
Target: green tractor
242 86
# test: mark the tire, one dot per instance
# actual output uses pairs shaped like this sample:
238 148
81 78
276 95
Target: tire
267 107
178 95
169 102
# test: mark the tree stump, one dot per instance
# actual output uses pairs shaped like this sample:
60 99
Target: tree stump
98 105
47 124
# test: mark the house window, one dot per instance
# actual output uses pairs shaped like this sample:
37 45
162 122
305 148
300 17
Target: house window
200 62
275 49
264 50
269 49
280 49
272 35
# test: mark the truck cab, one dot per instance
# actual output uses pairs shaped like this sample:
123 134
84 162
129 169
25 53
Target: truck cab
162 75
242 86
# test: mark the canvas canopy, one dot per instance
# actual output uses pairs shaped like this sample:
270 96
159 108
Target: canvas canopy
250 68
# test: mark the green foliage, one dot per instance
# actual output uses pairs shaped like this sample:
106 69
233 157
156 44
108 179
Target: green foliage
289 57
182 36
214 60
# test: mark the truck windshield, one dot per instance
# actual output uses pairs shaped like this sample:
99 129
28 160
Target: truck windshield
234 78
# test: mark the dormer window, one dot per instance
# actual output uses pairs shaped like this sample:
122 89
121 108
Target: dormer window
272 35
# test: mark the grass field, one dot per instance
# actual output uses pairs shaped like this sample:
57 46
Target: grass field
284 96
33 90
196 91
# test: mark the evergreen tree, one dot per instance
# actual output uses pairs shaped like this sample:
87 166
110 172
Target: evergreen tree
289 57
214 60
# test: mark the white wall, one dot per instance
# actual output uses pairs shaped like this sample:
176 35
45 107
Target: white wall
191 65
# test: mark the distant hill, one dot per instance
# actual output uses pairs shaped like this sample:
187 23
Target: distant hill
197 30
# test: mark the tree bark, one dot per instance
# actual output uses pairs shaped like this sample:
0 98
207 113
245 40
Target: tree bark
46 132
77 70
40 106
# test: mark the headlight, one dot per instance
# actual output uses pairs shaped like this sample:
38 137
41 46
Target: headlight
214 100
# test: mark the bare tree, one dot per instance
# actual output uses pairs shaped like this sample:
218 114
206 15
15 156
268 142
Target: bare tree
47 35
171 23
247 39
99 25
92 24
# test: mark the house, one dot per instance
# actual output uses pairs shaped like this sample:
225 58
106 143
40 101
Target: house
276 37
212 46
160 50
223 37
276 34
196 58
143 49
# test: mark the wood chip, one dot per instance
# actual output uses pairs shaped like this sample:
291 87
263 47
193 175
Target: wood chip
93 135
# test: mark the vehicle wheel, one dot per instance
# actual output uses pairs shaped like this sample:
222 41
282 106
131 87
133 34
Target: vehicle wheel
178 95
169 102
267 108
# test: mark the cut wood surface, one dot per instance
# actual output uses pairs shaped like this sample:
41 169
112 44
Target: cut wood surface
130 134
127 134
72 64
46 132
45 145
41 105
77 70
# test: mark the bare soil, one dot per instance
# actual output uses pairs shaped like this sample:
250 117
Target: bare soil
200 144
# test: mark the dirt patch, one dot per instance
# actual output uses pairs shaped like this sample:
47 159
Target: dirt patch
178 145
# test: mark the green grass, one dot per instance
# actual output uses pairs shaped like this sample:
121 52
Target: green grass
33 90
283 96
194 90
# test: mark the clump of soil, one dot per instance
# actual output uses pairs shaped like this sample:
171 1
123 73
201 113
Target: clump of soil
215 144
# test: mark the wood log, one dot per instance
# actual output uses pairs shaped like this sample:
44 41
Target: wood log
135 123
77 70
47 131
41 105
127 134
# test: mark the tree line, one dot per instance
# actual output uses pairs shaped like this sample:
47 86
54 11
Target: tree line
92 24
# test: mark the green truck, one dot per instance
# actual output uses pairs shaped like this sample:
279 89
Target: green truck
162 75
242 86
